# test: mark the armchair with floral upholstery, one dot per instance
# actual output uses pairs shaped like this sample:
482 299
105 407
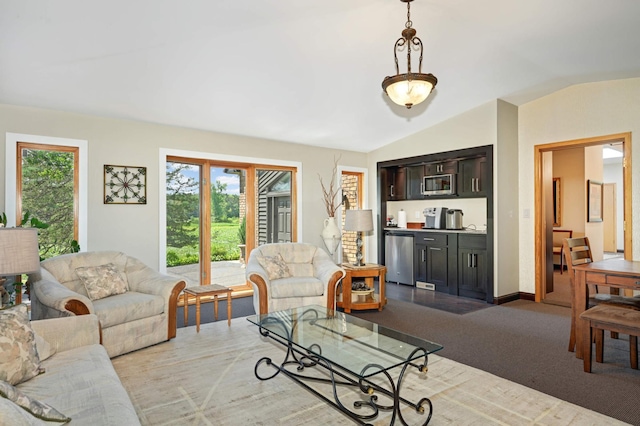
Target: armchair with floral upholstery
136 306
288 275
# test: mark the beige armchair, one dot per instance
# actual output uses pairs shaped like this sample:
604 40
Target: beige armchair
139 312
288 275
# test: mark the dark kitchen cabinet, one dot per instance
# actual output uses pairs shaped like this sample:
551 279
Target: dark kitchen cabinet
472 266
433 260
415 176
400 179
472 177
395 183
441 167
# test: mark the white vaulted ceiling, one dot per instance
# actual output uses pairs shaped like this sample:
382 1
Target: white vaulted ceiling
303 71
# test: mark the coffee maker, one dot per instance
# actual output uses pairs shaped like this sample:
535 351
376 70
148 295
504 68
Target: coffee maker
435 217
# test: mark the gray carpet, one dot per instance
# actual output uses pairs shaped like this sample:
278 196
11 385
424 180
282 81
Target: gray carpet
525 342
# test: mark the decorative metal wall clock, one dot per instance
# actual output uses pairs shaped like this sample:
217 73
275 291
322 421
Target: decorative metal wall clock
125 185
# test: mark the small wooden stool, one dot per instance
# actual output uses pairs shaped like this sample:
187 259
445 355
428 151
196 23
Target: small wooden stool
206 290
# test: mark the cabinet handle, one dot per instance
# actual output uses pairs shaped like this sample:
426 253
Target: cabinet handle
424 255
391 186
428 239
435 248
477 184
474 257
422 188
468 260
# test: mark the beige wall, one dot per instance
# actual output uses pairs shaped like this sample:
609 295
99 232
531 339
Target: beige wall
568 165
593 171
494 123
581 111
135 229
506 220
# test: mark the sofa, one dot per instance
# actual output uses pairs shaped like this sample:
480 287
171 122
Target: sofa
136 306
75 381
289 275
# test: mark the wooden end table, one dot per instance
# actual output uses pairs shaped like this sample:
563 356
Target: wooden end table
206 290
371 300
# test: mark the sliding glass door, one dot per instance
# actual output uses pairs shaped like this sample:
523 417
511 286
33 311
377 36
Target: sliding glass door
217 212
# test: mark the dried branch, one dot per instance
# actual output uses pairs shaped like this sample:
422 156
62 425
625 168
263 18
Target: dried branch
329 195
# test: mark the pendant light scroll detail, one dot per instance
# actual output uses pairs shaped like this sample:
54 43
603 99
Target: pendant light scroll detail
410 88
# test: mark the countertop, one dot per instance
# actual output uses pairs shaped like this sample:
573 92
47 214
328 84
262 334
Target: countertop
457 231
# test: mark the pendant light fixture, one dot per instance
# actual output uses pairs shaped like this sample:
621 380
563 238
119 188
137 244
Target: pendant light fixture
411 88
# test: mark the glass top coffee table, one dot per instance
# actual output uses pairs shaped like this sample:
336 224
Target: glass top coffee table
330 347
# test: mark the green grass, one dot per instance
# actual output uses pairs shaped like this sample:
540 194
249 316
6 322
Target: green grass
224 246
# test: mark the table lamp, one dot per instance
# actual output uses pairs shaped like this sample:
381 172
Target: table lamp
19 253
359 221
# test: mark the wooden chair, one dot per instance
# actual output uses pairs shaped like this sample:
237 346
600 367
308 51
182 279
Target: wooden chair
614 318
577 251
559 236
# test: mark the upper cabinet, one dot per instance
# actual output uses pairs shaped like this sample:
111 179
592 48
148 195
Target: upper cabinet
394 184
406 180
441 168
472 177
415 175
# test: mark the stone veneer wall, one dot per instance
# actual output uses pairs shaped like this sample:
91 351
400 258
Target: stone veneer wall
349 185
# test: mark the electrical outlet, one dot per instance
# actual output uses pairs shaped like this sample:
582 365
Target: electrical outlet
417 215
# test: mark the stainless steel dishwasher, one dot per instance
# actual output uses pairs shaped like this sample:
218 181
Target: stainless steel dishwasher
398 249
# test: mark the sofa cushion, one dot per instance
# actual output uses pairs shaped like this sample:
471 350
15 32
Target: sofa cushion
34 407
12 414
83 384
298 253
126 307
274 266
301 269
296 287
19 359
102 281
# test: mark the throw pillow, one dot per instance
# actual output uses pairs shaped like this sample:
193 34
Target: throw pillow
102 281
275 266
36 408
19 359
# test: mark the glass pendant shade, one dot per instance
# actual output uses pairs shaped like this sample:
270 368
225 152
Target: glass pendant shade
409 89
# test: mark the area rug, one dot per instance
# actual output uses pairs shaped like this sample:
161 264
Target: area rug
207 378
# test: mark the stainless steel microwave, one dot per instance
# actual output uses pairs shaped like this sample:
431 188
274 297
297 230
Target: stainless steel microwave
439 185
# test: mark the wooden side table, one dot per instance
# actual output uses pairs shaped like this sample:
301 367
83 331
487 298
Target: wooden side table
371 300
206 290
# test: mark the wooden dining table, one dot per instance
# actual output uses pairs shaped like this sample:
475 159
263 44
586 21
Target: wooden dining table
617 273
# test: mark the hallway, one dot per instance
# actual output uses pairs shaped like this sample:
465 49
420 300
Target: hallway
561 294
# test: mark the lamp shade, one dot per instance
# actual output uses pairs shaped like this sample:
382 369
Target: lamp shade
409 89
19 251
358 220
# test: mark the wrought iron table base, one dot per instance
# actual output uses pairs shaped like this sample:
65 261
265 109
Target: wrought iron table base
299 360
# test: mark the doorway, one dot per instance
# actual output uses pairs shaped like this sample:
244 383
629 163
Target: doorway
218 211
544 198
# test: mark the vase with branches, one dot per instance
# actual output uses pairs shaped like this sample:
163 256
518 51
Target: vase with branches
329 194
331 233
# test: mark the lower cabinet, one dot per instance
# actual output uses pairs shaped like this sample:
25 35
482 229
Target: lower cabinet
472 266
435 262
